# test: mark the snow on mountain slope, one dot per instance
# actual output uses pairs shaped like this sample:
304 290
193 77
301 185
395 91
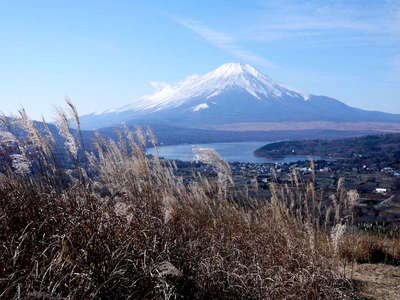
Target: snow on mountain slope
232 93
210 85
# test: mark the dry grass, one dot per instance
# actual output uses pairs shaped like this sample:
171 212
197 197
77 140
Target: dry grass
371 248
120 225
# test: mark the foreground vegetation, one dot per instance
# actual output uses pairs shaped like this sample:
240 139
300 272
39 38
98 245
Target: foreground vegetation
121 225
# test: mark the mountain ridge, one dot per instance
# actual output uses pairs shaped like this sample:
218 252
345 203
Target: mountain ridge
232 93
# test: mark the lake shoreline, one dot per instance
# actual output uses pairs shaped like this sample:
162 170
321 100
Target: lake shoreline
243 152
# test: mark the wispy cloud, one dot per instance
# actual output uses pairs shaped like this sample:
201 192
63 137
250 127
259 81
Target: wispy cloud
311 23
326 21
225 42
159 85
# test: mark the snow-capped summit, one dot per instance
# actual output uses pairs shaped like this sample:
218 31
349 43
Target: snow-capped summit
210 85
234 69
232 93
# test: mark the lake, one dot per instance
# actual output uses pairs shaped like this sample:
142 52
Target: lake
231 152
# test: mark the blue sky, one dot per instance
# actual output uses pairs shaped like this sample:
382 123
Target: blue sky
105 54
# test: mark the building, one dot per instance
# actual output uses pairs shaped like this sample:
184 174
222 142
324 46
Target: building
381 190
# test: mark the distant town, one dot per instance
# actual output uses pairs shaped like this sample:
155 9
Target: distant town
378 188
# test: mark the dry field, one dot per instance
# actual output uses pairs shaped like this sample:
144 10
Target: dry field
346 126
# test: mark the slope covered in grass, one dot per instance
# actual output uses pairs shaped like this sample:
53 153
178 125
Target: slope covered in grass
121 225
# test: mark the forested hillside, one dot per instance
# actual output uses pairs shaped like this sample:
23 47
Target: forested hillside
374 147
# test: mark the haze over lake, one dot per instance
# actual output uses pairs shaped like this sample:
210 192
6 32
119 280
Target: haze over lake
231 152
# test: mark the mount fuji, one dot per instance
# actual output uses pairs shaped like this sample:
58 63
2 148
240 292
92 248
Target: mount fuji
232 94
